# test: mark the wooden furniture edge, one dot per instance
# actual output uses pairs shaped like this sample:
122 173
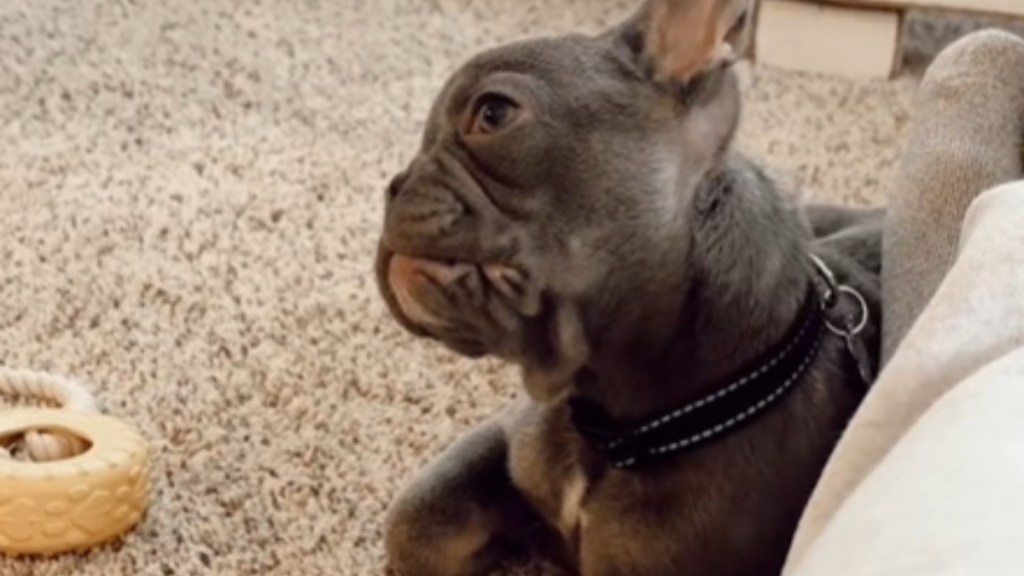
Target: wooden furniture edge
942 5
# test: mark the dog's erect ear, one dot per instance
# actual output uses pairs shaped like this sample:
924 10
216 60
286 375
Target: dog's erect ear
682 39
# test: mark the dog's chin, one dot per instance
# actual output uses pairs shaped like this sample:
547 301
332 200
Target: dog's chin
415 292
422 323
459 339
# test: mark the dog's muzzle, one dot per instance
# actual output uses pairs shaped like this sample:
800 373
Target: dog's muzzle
413 279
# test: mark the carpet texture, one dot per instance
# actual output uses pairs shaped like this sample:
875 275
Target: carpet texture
190 193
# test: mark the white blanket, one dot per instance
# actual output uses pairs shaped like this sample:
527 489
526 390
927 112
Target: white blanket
929 478
948 497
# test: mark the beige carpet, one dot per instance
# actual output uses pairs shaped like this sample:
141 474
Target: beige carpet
190 193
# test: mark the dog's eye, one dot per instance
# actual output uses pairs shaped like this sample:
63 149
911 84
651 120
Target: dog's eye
494 113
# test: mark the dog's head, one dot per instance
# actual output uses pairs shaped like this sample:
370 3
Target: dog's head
549 201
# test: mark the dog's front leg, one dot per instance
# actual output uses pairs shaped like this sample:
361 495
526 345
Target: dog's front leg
461 516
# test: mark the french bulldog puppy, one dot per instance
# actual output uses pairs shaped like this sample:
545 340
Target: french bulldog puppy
692 341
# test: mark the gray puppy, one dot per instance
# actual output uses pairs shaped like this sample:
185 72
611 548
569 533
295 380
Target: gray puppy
692 342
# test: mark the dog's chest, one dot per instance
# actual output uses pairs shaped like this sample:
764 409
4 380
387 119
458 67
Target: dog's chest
547 465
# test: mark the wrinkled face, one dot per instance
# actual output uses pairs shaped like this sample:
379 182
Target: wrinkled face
552 194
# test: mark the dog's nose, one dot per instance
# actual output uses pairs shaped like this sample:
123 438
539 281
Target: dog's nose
422 215
396 185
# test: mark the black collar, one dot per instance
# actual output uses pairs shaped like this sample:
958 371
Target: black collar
731 406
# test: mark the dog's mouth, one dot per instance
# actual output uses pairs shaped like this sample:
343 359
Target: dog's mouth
465 304
413 282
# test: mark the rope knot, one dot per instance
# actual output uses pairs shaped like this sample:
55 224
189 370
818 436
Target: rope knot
45 445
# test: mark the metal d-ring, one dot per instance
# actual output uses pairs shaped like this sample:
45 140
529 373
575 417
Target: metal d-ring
831 297
864 315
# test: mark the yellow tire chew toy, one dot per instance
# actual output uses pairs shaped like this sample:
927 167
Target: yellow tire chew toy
70 478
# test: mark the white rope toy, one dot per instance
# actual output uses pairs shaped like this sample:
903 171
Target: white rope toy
46 445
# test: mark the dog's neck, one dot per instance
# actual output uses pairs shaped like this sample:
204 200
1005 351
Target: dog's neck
748 274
